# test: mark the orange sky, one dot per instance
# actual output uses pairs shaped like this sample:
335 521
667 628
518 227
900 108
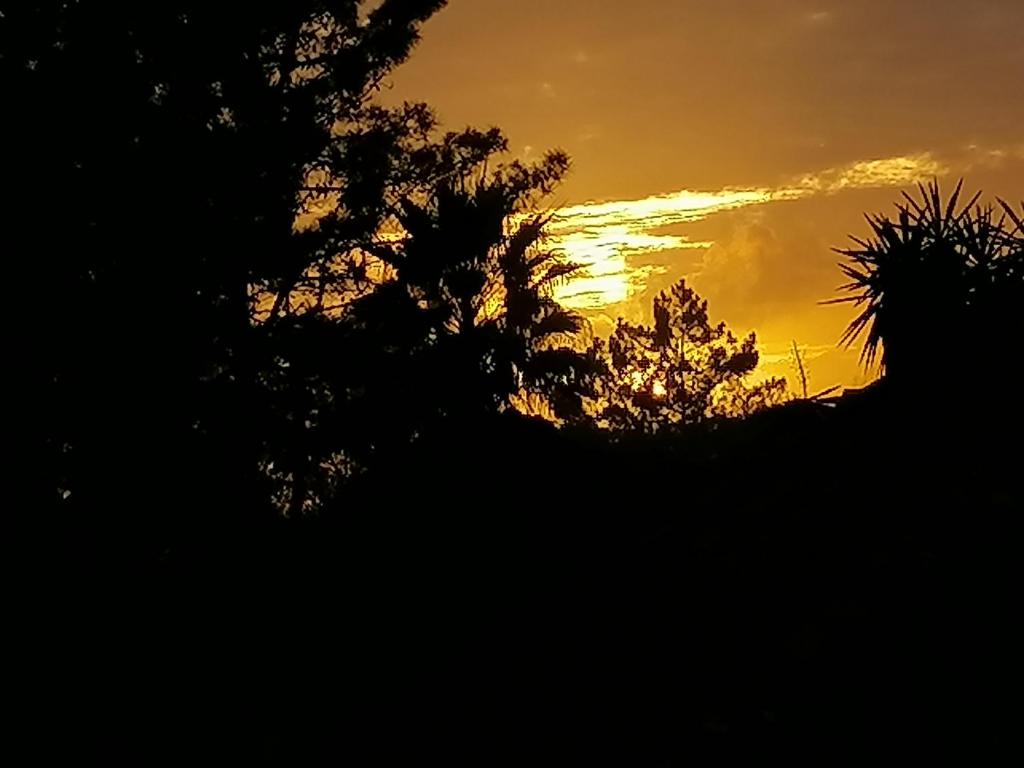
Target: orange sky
734 142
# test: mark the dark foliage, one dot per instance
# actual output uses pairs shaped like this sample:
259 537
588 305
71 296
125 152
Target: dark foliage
460 327
684 370
271 345
478 325
940 286
161 155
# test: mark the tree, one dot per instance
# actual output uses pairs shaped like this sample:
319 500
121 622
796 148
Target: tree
477 284
938 284
460 326
162 155
684 370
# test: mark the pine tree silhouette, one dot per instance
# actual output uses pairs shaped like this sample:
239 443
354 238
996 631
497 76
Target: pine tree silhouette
684 370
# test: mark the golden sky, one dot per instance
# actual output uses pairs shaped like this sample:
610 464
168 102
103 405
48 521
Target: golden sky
734 142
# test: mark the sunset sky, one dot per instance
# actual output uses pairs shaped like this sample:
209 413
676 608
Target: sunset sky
734 142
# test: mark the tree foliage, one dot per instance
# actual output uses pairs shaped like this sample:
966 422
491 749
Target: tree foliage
943 280
474 290
165 156
461 325
263 280
259 279
683 370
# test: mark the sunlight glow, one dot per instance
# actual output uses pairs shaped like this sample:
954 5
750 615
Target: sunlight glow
619 243
607 238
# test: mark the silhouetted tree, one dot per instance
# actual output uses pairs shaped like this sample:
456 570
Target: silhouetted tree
940 289
164 156
477 288
683 370
459 325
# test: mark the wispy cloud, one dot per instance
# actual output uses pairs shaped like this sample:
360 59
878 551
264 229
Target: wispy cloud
890 172
606 237
818 18
783 355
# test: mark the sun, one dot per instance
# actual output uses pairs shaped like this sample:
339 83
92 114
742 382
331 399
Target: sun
642 380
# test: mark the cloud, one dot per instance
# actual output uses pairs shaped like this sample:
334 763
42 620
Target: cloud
609 276
754 272
658 211
607 236
818 18
751 264
783 355
868 174
981 156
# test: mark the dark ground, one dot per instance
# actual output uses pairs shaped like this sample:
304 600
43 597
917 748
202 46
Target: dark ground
821 583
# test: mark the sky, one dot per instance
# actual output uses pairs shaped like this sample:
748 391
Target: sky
735 142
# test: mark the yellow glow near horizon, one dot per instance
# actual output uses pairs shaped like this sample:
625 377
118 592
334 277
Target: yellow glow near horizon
607 237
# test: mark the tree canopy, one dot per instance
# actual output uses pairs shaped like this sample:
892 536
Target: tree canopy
165 156
460 324
261 279
683 370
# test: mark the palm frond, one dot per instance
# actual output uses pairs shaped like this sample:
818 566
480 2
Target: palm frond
556 273
558 322
1017 219
920 271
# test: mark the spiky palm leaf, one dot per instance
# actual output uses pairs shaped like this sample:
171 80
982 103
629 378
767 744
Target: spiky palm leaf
473 262
918 277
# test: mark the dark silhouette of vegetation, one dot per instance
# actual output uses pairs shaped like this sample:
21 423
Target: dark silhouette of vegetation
943 280
280 356
684 370
167 151
478 314
460 327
